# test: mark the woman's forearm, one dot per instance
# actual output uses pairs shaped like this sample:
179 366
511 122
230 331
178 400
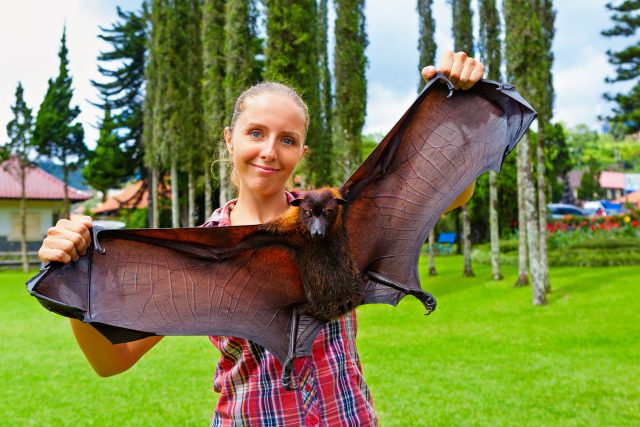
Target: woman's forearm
106 358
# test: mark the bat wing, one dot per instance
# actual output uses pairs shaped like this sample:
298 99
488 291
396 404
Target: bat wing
438 148
137 283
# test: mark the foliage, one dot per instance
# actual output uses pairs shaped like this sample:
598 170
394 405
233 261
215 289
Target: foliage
462 28
589 185
489 42
19 130
55 134
426 39
626 23
559 160
242 48
108 165
350 81
122 93
464 362
292 55
135 218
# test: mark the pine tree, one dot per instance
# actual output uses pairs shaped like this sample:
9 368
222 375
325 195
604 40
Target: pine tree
124 83
626 23
490 52
351 83
524 48
426 39
213 101
55 134
243 68
19 131
462 28
108 163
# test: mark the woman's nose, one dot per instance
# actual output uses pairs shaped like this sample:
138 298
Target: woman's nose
268 151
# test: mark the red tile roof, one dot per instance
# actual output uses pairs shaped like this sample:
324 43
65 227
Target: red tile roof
612 180
125 199
40 185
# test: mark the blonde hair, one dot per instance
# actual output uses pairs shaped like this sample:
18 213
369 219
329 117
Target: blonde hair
266 87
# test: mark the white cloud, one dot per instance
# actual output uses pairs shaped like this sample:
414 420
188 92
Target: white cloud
385 107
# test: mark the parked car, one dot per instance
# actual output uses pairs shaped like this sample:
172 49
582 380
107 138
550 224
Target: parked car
594 208
560 210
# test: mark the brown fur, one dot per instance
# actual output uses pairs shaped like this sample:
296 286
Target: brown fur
332 283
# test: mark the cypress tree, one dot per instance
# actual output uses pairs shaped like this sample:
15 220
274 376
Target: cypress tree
55 134
19 131
108 164
213 102
490 52
546 15
153 130
350 79
324 154
124 83
524 48
242 66
463 41
626 23
427 53
292 56
462 26
426 38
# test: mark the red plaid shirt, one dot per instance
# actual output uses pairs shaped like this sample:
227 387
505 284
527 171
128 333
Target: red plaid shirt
332 391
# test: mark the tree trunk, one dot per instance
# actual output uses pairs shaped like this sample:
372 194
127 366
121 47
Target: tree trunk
542 210
175 208
523 277
494 230
191 188
208 205
23 218
533 235
67 206
155 214
432 246
225 182
466 231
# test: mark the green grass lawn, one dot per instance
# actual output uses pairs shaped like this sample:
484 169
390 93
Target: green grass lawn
485 357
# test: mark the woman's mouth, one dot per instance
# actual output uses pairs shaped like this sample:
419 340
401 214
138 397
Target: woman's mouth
265 169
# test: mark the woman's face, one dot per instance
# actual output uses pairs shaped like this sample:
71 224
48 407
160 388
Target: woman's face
266 143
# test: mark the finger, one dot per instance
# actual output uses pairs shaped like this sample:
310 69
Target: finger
428 72
69 241
456 68
87 221
446 62
79 227
50 254
476 74
465 75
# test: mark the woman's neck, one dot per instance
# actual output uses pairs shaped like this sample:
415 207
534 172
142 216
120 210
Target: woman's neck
253 208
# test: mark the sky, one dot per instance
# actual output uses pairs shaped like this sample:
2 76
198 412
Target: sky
30 31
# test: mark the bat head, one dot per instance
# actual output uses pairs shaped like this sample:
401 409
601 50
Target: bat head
318 210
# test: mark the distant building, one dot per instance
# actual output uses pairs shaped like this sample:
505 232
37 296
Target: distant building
612 183
45 199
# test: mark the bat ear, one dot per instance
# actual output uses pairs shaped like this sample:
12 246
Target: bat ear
295 202
341 201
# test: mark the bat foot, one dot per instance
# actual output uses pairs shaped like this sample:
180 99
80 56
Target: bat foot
427 300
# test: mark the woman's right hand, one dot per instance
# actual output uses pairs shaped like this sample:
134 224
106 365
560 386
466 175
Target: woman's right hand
67 241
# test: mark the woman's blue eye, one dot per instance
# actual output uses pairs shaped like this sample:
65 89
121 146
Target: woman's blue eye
288 140
255 133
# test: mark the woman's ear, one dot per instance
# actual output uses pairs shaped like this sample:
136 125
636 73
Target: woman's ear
227 139
305 149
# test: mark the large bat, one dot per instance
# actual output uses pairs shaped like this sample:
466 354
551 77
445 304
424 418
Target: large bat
249 281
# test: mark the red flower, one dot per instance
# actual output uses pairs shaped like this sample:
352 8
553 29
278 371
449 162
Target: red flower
593 228
635 223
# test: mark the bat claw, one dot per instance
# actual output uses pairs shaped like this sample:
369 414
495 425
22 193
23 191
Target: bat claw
450 85
427 300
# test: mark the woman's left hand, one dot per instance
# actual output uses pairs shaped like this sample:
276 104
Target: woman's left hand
462 70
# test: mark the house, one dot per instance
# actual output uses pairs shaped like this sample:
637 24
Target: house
133 196
45 199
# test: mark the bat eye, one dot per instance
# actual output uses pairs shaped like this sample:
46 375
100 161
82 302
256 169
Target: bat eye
327 211
307 213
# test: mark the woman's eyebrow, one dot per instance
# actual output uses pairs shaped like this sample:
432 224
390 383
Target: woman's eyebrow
260 125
